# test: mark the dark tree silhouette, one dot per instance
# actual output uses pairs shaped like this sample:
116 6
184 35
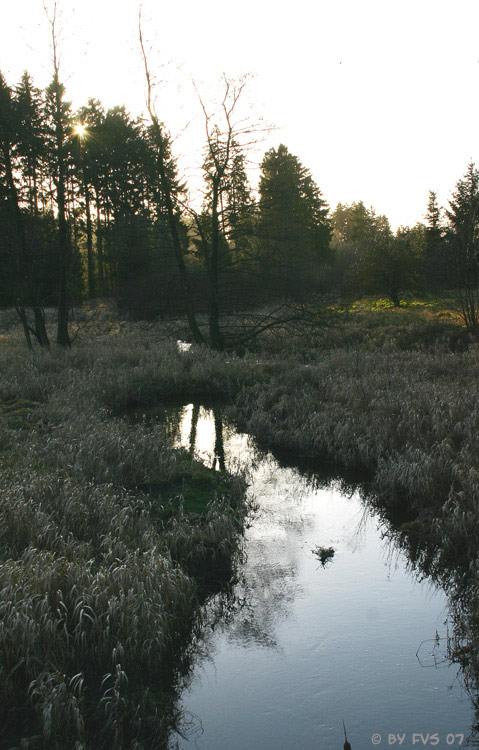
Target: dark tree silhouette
436 265
294 229
58 111
26 292
160 142
463 216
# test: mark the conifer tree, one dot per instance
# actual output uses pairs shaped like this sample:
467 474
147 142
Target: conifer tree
294 228
463 216
31 138
25 285
435 260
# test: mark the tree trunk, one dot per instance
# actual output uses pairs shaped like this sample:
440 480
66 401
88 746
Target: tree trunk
99 246
394 297
178 250
216 339
89 243
166 187
40 328
63 337
26 330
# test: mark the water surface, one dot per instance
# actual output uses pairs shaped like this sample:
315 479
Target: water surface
305 646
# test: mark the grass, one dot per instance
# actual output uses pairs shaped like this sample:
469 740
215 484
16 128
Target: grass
372 323
107 533
406 415
411 418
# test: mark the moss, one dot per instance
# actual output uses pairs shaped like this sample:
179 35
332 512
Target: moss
195 494
191 492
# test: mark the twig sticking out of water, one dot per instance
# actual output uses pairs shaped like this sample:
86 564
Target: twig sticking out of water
346 745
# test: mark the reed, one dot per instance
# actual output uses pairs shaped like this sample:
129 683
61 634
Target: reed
100 566
100 560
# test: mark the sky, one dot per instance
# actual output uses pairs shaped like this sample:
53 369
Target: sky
378 98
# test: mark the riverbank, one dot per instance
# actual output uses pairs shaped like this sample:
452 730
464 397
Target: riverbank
409 418
307 640
108 533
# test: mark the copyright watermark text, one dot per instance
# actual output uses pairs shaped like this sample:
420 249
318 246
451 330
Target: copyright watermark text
421 739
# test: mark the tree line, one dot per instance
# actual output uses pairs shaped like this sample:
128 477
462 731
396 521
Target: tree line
92 206
441 254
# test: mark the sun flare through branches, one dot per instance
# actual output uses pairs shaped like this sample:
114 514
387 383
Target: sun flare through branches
80 130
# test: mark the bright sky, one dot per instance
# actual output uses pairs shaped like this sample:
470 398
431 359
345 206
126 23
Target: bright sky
378 98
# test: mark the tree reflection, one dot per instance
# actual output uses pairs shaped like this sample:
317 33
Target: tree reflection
194 428
428 557
219 459
248 607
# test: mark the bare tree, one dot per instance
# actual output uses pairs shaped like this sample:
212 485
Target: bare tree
220 142
56 92
159 137
229 139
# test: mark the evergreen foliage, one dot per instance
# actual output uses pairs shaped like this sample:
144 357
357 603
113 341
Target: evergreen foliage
463 215
91 205
436 262
293 228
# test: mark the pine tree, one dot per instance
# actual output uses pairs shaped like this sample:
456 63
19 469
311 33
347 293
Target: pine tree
359 235
435 260
26 288
31 141
463 216
294 228
238 208
433 214
93 163
463 213
59 120
13 250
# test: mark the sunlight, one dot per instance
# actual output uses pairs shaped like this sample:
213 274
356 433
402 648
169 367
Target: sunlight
80 130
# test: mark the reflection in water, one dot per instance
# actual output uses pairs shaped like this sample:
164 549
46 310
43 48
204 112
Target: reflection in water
194 423
292 647
201 431
219 462
461 645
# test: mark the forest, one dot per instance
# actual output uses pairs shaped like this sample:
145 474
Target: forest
92 207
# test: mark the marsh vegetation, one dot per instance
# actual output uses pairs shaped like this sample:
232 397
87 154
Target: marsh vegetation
299 640
108 536
330 337
113 536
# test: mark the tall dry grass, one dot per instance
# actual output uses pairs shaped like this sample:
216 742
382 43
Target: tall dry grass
98 585
411 420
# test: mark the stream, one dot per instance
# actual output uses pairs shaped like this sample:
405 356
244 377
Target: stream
309 643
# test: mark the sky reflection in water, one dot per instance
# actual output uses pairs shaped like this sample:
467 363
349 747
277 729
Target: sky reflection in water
313 645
